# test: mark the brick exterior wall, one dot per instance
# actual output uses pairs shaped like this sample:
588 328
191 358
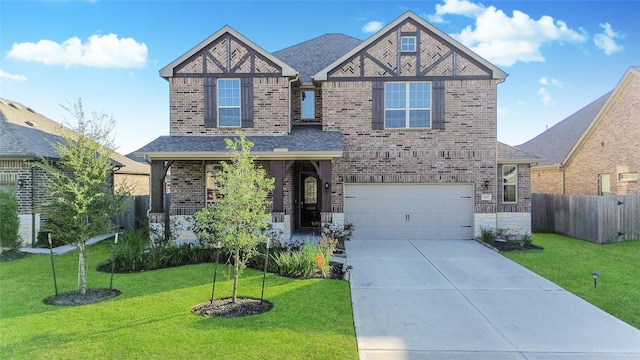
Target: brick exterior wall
546 181
270 104
464 152
612 148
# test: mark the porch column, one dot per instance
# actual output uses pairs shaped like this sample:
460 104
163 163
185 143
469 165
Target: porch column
278 170
158 172
324 172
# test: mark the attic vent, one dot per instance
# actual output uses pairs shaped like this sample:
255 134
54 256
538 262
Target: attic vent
30 123
14 106
30 109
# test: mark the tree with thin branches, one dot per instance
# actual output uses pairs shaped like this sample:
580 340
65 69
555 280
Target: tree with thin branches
81 197
239 217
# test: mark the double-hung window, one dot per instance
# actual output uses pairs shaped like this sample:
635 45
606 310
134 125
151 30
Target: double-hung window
509 183
229 103
407 105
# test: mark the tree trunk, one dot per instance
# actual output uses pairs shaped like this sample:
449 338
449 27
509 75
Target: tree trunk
82 270
236 270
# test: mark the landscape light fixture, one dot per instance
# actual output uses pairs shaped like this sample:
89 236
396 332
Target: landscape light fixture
595 275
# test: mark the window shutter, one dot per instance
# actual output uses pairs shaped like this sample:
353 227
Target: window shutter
246 102
437 116
210 108
377 106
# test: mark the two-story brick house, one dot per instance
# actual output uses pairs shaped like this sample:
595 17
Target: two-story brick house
396 134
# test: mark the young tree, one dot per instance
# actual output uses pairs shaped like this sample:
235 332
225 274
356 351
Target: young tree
9 221
81 198
238 219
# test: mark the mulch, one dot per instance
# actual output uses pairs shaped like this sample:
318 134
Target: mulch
227 308
75 298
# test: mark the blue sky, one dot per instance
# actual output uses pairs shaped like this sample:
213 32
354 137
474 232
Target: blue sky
560 55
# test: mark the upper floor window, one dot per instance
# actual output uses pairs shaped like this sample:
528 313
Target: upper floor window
307 104
407 105
509 183
408 44
229 103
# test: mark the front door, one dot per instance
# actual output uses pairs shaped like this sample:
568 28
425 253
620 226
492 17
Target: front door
309 204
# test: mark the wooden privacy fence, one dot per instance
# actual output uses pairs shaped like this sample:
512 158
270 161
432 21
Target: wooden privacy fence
135 217
599 219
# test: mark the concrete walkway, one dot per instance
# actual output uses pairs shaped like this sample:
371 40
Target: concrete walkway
460 300
65 248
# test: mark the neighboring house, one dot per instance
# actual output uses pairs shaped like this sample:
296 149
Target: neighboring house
396 134
27 137
596 150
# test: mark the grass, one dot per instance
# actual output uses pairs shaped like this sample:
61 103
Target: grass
569 263
151 319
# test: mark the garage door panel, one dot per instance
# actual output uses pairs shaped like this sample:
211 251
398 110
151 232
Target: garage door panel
410 211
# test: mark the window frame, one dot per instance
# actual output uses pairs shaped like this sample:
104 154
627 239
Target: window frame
628 176
413 44
505 184
313 104
407 105
220 107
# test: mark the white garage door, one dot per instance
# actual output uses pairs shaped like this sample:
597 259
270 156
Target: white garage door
409 211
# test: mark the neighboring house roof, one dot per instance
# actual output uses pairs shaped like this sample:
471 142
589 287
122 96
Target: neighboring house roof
28 135
167 71
304 142
558 144
497 73
314 55
509 154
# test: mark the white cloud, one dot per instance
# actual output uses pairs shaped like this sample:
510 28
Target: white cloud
99 51
456 7
503 39
372 26
545 96
520 102
550 82
16 77
606 41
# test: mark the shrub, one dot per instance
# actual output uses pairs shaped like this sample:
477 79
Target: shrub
488 235
9 221
305 262
340 232
129 252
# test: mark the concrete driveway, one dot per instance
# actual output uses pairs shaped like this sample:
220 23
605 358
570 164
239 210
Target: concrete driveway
454 299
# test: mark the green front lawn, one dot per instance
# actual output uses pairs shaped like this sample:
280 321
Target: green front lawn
569 263
151 319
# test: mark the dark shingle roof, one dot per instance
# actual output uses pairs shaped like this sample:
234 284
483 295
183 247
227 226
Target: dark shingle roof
554 145
26 134
314 55
301 139
507 153
21 142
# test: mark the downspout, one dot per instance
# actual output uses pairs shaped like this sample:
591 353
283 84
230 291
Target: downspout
289 112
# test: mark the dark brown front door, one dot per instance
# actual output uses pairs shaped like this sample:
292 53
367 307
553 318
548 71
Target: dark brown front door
309 204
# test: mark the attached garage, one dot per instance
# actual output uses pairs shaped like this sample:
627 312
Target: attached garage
409 211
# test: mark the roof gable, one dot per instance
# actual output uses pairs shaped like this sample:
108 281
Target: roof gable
227 51
441 54
559 144
554 144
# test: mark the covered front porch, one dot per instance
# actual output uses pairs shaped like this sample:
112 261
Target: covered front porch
300 164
